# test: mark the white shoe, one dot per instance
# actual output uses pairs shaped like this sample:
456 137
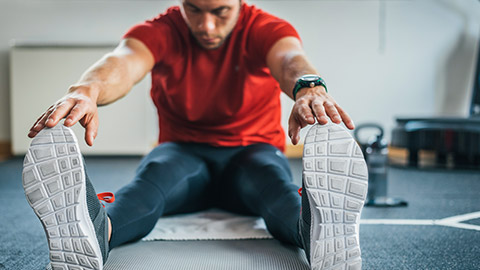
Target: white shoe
58 189
335 185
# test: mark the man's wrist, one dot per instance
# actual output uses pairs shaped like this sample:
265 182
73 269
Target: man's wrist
317 90
308 81
90 90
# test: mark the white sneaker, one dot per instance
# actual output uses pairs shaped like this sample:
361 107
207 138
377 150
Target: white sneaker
335 185
58 189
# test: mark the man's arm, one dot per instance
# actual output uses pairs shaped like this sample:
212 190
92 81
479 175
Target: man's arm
104 82
287 62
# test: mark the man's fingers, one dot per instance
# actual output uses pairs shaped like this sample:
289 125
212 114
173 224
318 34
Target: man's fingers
294 132
40 122
91 127
321 107
332 112
301 116
74 107
319 111
58 113
304 115
346 118
39 125
76 113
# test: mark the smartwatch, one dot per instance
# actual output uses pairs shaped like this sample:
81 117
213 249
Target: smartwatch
309 80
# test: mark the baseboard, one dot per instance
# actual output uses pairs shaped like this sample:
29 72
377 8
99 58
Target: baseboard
294 151
5 150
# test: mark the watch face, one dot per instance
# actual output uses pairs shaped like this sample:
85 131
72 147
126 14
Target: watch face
310 78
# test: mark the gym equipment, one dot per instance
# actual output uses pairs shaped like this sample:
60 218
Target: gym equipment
375 151
453 141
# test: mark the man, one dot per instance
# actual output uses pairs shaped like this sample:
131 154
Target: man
217 69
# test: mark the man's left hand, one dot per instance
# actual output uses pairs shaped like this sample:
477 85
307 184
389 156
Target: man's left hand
315 103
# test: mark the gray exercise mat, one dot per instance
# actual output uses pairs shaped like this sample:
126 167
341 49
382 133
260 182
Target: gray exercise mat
208 255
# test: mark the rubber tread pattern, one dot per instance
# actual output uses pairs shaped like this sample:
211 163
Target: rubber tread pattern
335 181
55 187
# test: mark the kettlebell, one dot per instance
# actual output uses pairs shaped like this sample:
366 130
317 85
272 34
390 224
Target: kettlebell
375 151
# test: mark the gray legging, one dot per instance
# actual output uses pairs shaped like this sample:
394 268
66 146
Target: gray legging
186 177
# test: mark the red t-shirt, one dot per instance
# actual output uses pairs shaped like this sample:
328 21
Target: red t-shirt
222 97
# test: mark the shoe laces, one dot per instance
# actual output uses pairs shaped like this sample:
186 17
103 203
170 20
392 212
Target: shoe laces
107 197
300 191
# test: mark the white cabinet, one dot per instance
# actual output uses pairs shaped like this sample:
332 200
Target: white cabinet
40 75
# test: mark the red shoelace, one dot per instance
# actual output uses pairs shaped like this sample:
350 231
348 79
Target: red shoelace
300 192
107 197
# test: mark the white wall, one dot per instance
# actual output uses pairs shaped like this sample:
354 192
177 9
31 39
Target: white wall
127 127
380 59
416 59
60 22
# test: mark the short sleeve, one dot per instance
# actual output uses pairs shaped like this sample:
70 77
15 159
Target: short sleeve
153 34
266 31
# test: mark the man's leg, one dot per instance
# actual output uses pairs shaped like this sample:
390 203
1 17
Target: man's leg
169 180
335 181
258 181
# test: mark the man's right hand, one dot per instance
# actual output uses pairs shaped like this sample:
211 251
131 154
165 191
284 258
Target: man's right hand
79 105
109 79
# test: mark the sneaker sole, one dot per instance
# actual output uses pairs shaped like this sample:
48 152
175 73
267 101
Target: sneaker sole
54 184
336 180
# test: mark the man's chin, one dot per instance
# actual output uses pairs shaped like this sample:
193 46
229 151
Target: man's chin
210 46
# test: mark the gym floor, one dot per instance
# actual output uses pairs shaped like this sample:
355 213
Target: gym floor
439 229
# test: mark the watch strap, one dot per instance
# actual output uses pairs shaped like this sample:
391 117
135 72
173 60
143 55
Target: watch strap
300 83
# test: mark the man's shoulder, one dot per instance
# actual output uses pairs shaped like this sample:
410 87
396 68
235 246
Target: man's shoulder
252 11
257 16
171 15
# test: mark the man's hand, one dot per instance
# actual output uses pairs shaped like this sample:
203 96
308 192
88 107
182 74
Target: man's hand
315 103
77 106
287 62
106 81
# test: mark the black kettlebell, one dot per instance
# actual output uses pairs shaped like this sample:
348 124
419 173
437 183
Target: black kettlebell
375 151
